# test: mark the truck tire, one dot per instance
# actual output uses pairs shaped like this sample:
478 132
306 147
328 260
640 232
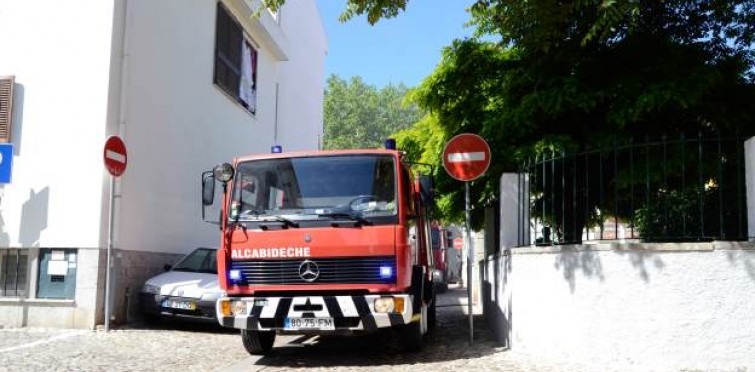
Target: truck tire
441 287
431 316
258 342
411 337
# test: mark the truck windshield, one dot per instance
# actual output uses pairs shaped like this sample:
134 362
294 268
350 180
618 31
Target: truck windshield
306 188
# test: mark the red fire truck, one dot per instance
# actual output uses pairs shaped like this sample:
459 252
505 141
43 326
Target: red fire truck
326 242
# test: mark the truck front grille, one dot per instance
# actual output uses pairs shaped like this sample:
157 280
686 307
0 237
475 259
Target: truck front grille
353 270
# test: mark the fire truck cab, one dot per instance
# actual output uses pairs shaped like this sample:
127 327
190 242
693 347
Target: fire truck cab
326 242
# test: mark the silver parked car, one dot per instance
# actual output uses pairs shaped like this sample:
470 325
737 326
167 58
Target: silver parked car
187 290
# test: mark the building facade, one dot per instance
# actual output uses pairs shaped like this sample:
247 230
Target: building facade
186 84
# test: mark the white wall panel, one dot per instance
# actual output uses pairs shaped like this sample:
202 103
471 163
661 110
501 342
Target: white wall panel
59 52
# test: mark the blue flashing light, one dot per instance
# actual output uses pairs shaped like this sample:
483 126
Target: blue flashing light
234 275
390 144
386 272
277 149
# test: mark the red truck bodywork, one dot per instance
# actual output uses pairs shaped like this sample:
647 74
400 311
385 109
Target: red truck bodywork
259 252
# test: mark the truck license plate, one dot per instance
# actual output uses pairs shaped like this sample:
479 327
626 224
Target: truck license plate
295 324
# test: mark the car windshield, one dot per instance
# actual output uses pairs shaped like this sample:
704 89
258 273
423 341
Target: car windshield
359 186
202 260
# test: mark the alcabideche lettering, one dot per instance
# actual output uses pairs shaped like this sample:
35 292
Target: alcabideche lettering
247 253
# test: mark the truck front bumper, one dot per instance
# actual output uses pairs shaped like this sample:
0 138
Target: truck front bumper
348 313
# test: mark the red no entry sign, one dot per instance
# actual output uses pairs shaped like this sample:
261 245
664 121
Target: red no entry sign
115 156
466 157
458 243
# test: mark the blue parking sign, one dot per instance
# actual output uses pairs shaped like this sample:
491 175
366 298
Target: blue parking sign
6 162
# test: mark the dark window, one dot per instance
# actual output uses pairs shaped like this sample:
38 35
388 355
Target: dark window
6 107
363 184
435 236
14 270
235 61
57 274
406 190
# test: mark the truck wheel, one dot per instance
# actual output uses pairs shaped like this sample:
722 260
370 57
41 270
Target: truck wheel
431 315
411 337
258 342
441 287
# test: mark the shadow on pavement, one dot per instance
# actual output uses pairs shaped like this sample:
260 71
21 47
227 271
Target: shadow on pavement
177 325
449 341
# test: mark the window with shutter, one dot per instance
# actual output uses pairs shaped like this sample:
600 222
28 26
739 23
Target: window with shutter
235 60
6 107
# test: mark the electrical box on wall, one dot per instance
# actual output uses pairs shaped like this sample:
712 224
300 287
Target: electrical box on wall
57 273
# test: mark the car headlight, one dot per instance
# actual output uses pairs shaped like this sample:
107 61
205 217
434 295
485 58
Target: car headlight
151 289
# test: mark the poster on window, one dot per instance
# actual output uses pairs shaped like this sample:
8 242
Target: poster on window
57 268
248 86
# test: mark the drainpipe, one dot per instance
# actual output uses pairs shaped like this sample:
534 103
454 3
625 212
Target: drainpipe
122 100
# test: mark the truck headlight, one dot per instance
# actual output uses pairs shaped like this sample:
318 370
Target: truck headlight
238 308
151 289
389 305
232 308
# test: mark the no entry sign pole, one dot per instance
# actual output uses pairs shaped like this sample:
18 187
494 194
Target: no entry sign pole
470 261
109 253
115 158
466 157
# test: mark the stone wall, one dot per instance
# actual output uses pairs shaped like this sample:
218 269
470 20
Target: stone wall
130 270
633 306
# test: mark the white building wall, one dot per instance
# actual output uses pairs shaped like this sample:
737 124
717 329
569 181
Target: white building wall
141 69
641 307
300 110
61 68
178 124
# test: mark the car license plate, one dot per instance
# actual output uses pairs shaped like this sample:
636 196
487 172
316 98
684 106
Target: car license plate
180 304
296 324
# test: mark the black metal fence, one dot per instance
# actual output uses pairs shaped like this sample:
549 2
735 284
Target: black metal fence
680 189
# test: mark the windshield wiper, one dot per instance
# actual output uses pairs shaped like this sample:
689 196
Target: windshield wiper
275 218
359 220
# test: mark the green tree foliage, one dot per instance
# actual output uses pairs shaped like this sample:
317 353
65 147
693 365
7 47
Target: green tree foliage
358 115
374 9
553 75
548 75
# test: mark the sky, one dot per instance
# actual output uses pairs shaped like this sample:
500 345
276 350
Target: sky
404 49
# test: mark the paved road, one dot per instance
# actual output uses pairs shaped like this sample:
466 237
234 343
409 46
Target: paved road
180 347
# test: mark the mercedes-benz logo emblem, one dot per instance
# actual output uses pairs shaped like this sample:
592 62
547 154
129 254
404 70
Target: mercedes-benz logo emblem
308 271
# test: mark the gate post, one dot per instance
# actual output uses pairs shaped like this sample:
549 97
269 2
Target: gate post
514 210
750 179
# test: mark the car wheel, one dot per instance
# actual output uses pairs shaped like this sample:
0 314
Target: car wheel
151 319
258 342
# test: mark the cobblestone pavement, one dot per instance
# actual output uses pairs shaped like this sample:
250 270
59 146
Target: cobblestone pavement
184 347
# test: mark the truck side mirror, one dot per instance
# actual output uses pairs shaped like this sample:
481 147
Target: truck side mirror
208 193
208 188
426 187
